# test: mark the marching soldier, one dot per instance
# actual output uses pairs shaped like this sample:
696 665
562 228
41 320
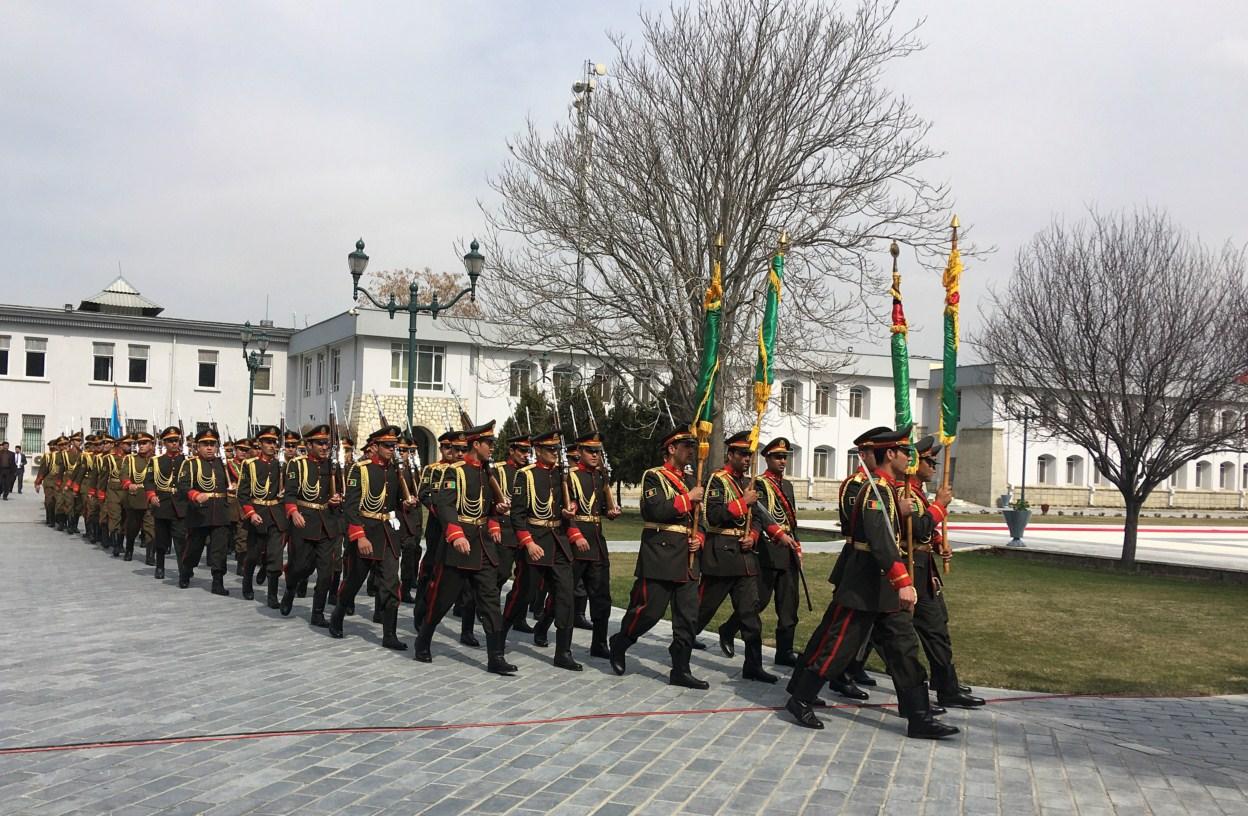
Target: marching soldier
470 552
729 558
779 554
44 483
99 486
874 592
69 472
411 517
931 617
592 564
135 499
261 491
540 507
312 497
90 503
518 449
114 494
374 495
168 509
234 460
667 570
203 482
452 446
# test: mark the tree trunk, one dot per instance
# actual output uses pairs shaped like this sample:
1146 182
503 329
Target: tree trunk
1130 532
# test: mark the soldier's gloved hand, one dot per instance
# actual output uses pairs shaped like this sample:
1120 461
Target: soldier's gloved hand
461 546
695 493
364 546
944 495
909 597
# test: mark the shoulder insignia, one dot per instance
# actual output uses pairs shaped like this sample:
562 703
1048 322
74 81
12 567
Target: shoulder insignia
650 493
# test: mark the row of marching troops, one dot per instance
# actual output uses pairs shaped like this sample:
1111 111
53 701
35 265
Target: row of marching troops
298 507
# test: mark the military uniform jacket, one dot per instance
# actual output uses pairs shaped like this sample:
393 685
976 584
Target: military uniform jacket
666 515
925 529
134 471
847 507
71 470
86 475
537 514
589 491
261 491
204 476
45 467
162 482
98 480
874 570
729 536
234 469
309 485
462 503
505 473
412 518
775 513
373 493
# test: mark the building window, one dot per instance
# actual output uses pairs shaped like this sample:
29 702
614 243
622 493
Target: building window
789 397
307 376
857 402
32 433
4 426
99 424
138 364
852 464
398 365
1226 476
1244 481
4 355
1204 475
1046 469
563 378
601 386
1228 422
102 362
207 369
1074 470
825 399
320 373
429 361
36 357
521 378
264 374
824 457
643 388
335 369
136 426
200 427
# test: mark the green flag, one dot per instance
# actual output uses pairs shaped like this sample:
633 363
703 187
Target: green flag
900 352
764 374
952 280
713 304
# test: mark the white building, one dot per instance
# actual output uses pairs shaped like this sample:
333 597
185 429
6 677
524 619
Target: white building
59 369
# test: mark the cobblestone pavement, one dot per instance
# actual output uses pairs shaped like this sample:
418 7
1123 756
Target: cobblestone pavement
96 650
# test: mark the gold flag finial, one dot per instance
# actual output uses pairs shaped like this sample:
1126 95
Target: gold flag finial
719 240
894 250
955 223
784 241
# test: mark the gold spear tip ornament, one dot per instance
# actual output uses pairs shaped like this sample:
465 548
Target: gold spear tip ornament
893 249
784 241
955 223
719 240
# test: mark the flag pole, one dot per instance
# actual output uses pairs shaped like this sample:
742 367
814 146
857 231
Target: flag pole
946 554
901 385
703 419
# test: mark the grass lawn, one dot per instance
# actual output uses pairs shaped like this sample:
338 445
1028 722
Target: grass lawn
1036 627
628 528
1145 519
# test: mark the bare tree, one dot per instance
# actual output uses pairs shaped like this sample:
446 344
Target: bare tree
1127 336
396 283
733 117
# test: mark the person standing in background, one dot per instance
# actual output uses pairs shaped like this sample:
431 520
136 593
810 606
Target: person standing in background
8 468
21 465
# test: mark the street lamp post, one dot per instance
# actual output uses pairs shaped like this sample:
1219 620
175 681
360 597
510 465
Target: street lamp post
357 262
254 361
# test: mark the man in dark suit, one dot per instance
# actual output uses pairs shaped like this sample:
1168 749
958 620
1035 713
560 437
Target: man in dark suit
8 470
20 463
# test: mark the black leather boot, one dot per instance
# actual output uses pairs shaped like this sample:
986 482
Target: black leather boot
288 599
150 559
303 588
239 558
680 674
541 632
335 581
913 704
60 522
563 651
522 626
184 578
424 639
727 634
377 612
466 633
618 647
248 590
272 590
845 687
390 628
335 621
785 656
959 699
218 583
129 556
496 663
753 669
118 545
159 560
803 713
858 673
405 595
318 609
598 645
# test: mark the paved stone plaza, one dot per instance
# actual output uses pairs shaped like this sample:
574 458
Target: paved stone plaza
95 650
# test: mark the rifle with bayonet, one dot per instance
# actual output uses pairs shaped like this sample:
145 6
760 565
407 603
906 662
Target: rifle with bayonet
612 506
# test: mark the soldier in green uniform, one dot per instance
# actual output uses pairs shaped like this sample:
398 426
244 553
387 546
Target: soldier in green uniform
313 494
411 517
234 461
374 498
90 504
540 509
114 495
168 510
96 484
469 555
260 491
729 558
44 482
592 565
518 450
135 499
68 502
874 592
202 484
668 571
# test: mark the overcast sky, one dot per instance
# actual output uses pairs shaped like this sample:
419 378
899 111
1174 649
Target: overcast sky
221 151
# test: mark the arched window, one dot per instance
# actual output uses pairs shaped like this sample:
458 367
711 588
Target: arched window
1244 481
825 458
1228 421
1204 475
790 397
795 462
564 378
602 386
825 399
521 377
1046 469
852 464
858 402
1226 476
643 388
1074 470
